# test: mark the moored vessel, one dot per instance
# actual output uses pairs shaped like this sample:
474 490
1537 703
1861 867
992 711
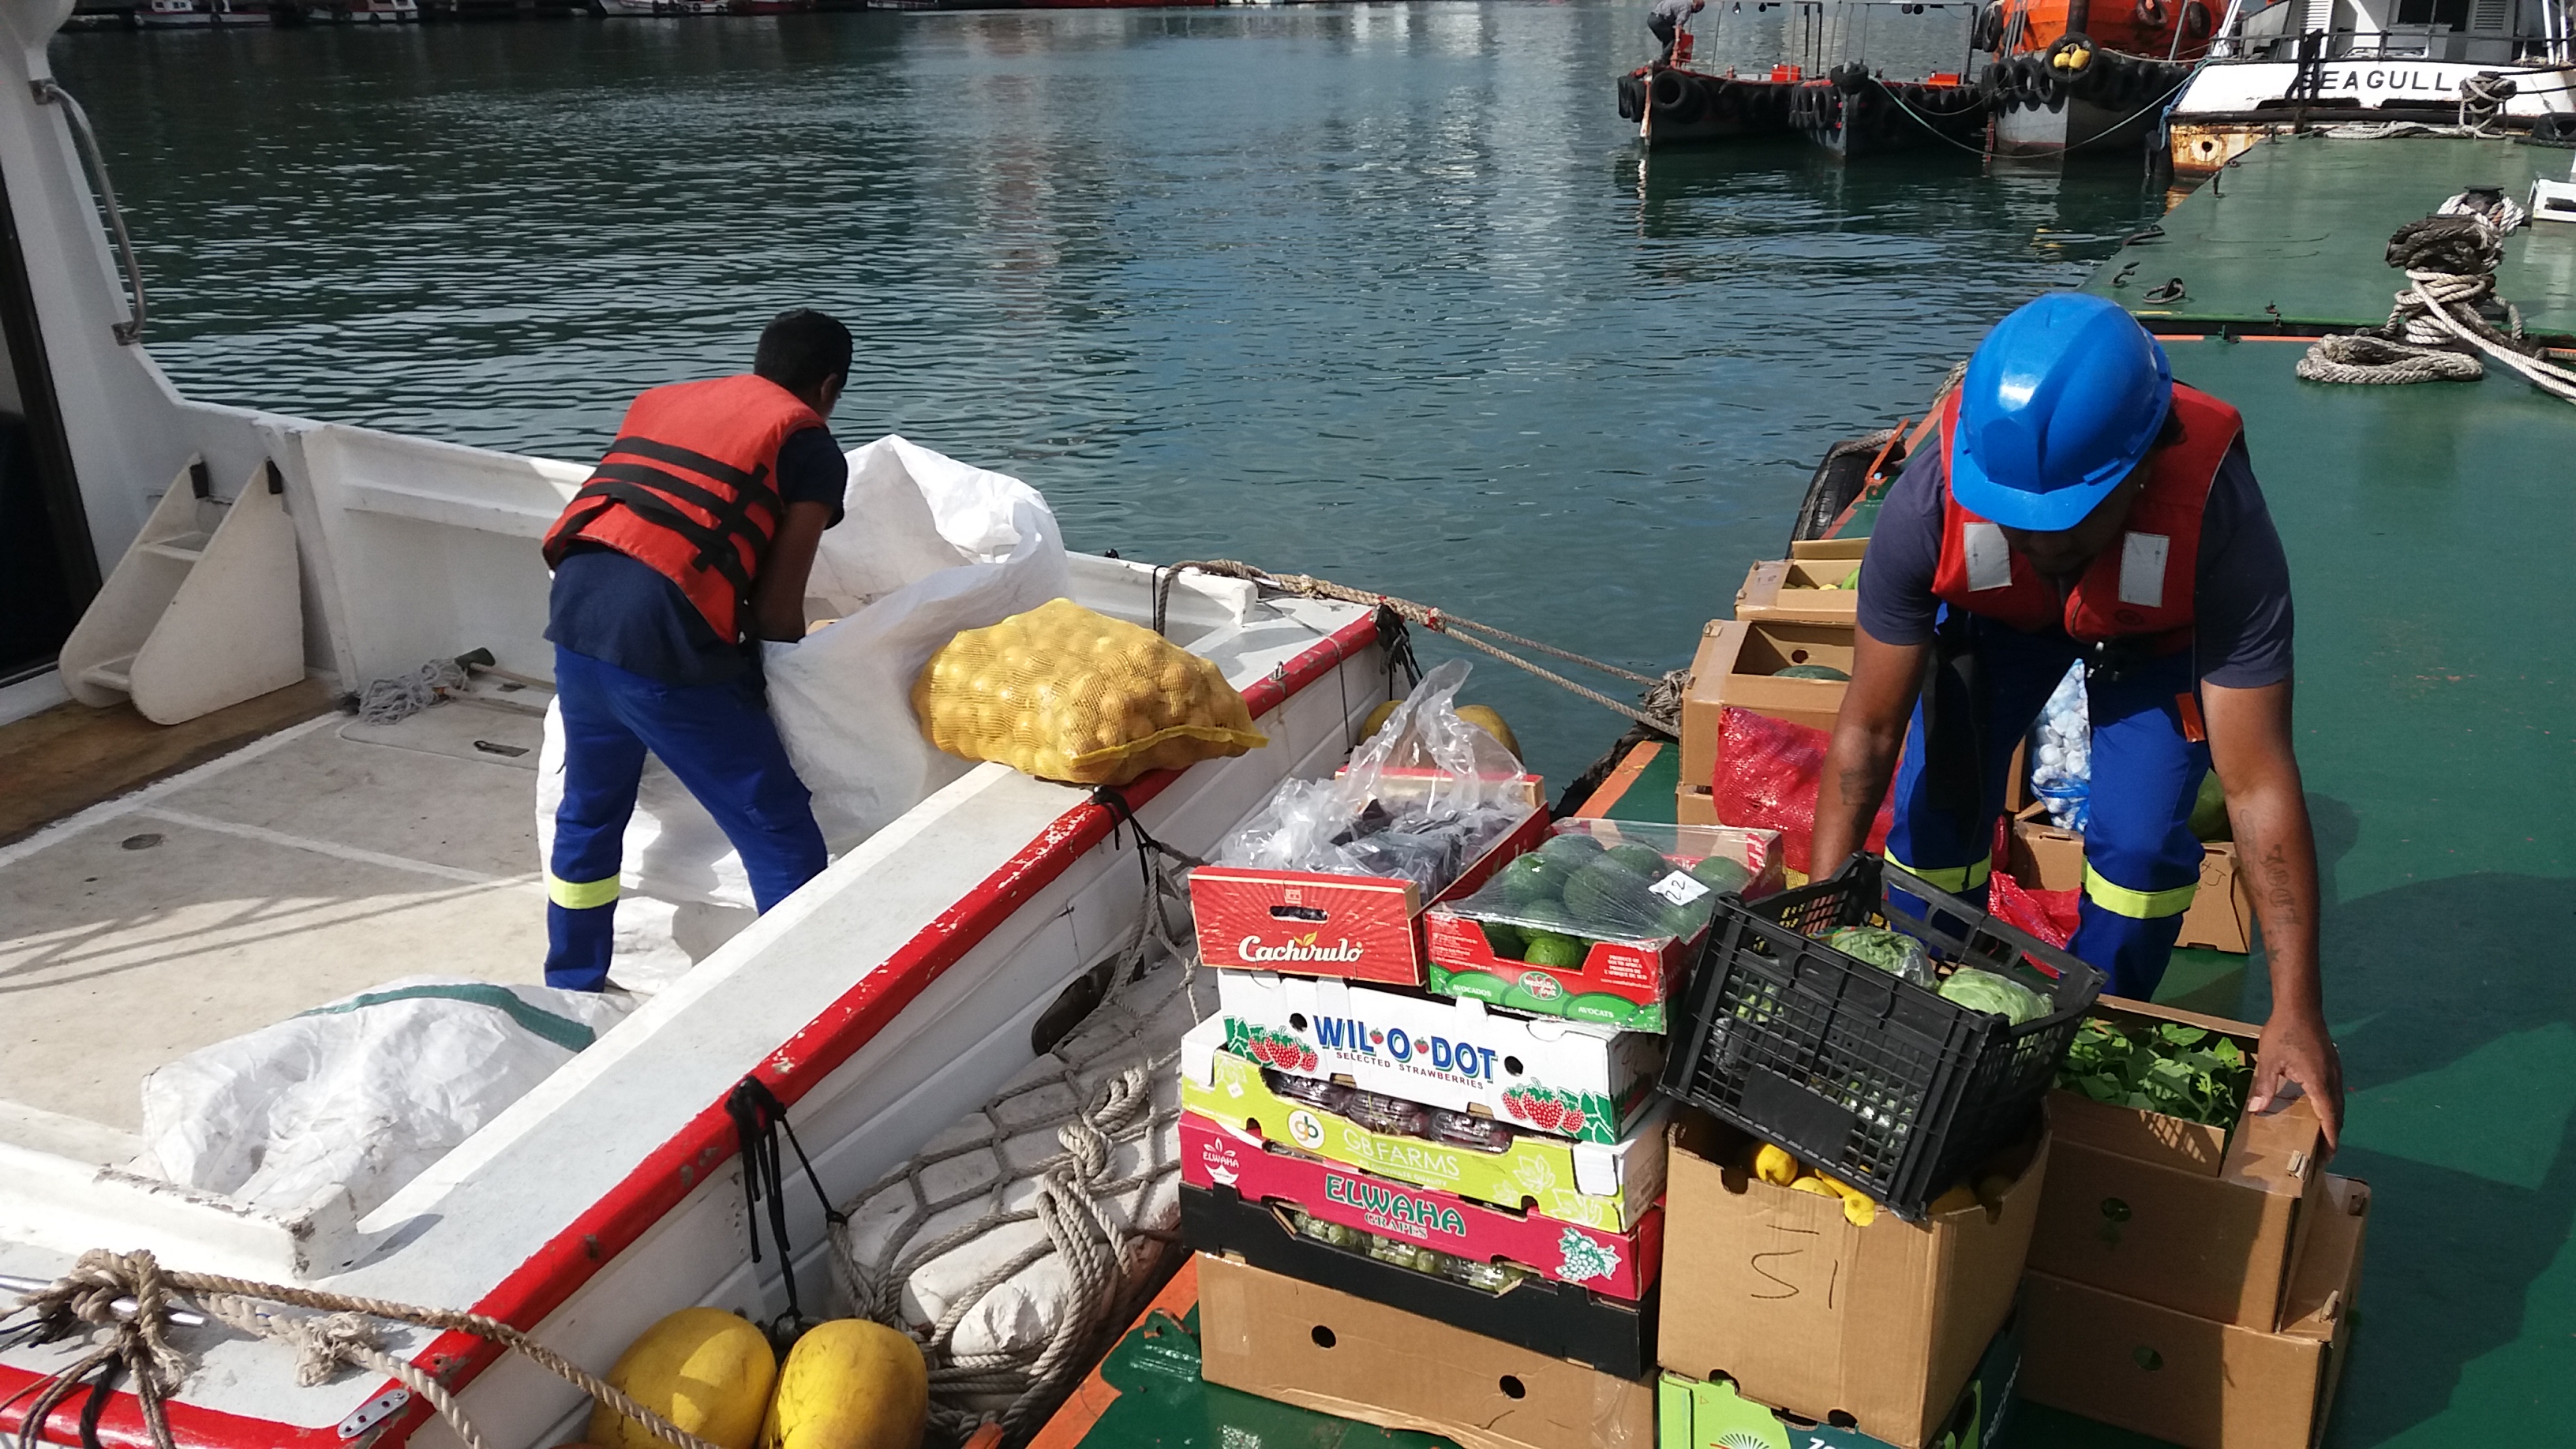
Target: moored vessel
2076 75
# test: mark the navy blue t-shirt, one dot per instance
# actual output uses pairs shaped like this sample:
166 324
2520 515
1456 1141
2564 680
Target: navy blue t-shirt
2241 600
623 612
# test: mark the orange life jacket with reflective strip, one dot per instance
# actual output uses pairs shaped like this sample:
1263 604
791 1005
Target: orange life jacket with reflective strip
689 488
2142 588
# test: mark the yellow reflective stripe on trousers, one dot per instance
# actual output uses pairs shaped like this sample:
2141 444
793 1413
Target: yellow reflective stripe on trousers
2136 905
580 895
1954 879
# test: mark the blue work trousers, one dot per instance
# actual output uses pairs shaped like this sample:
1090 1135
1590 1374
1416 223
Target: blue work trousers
719 740
2141 861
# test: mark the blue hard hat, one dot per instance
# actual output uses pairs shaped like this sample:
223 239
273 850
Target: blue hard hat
2061 401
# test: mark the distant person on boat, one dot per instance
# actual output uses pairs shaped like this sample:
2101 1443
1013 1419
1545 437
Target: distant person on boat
2082 505
1668 20
690 544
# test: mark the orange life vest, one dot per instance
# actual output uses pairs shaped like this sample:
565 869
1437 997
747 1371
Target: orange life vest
2141 588
689 489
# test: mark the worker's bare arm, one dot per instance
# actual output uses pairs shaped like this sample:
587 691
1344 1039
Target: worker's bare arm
2250 745
778 595
1867 735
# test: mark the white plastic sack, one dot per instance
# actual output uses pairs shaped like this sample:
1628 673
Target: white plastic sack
928 547
364 1093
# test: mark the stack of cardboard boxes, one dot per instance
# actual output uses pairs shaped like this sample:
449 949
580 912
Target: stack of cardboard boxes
1422 1207
2191 1283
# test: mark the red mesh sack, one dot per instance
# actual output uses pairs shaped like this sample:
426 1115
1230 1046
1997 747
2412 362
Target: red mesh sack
1767 776
2049 915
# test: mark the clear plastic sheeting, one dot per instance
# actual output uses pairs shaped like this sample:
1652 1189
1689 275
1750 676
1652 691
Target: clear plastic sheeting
1422 800
930 547
361 1095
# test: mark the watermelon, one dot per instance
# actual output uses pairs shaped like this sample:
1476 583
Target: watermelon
1812 671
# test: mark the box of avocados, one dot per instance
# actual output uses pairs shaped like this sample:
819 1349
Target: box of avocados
1608 1186
1600 922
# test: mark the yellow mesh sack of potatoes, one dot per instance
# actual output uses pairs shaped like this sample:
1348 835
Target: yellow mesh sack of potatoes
1067 694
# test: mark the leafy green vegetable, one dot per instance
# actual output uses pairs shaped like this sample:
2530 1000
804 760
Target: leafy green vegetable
1893 952
1986 991
2181 1071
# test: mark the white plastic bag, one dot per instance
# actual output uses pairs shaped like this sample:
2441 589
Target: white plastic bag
1423 799
928 547
362 1094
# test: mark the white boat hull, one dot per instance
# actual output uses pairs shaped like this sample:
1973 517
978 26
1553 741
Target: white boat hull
2231 104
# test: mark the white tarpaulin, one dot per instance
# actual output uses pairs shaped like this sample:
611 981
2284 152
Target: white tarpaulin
928 547
364 1093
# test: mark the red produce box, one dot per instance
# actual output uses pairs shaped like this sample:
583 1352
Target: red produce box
1318 923
1618 1265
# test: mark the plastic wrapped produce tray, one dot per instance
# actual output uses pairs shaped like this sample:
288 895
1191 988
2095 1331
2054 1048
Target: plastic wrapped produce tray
1880 1082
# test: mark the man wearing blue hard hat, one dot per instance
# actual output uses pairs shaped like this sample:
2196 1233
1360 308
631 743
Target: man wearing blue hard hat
2082 505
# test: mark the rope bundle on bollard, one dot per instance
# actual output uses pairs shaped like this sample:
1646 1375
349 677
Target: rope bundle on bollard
2437 326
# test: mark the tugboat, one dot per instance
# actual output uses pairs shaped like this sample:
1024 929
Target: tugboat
2073 75
2483 70
1851 111
172 14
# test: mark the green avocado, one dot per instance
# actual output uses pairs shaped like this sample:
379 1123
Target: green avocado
1812 671
1574 847
1542 917
1533 878
1503 936
1645 860
1610 900
1547 948
1721 874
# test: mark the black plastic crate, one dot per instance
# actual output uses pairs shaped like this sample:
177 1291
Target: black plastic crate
1875 1080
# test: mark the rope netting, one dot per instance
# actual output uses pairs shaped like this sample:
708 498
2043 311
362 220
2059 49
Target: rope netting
1009 1245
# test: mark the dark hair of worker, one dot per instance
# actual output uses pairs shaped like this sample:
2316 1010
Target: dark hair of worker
802 349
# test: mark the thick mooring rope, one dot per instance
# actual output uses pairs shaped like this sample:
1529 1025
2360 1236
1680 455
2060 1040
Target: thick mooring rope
137 1342
2436 327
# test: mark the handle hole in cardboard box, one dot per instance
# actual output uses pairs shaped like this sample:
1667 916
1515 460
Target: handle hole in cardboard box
1323 1337
1297 1020
1513 1388
1298 913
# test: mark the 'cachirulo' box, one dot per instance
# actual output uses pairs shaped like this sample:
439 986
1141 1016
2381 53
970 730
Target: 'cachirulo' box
1620 1264
1540 1073
1594 1185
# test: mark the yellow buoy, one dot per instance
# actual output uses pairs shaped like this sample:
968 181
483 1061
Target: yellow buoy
705 1370
850 1384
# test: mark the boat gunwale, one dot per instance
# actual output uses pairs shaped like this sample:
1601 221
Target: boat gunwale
664 1177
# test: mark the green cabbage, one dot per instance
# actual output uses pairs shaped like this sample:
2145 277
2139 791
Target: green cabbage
2001 995
1893 952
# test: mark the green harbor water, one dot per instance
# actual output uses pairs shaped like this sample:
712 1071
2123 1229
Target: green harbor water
1378 293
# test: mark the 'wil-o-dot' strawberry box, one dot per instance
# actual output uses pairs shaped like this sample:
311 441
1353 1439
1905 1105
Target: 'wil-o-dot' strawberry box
1609 1187
1621 1265
1552 1075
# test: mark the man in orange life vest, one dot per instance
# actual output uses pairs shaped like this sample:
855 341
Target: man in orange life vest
689 544
2081 505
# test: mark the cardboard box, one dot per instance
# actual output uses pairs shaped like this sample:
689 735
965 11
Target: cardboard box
2194 1382
2178 1214
1588 1184
1738 663
1690 1414
2221 917
1622 1265
1854 548
1623 985
1877 1328
1306 1344
1695 804
1800 591
1558 1320
1320 923
1540 1073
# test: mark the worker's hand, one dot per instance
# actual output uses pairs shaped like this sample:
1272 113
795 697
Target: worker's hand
2295 1048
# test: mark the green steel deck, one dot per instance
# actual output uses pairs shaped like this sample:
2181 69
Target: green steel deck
2294 234
2429 532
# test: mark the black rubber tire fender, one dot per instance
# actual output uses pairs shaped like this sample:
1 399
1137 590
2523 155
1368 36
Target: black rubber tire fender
1676 96
1632 98
1989 29
2196 22
1837 481
2151 13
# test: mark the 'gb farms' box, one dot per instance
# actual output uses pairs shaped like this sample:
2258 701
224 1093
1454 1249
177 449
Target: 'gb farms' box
1609 1187
1532 1072
1323 923
1620 1264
